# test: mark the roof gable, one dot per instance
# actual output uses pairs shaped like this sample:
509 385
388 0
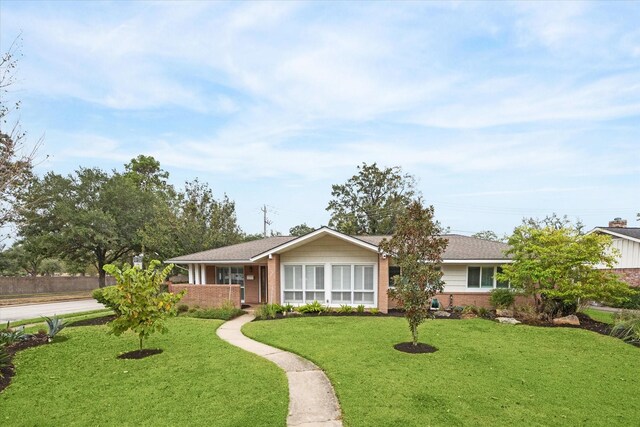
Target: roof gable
629 233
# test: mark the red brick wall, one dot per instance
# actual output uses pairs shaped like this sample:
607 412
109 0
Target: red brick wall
468 298
208 295
273 279
383 283
629 275
251 293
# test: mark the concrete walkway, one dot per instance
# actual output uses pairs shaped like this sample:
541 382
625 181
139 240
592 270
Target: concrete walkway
312 401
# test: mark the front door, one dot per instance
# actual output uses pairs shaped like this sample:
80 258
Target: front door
263 284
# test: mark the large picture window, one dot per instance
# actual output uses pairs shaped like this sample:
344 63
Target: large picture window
341 284
293 292
231 276
314 283
363 292
484 278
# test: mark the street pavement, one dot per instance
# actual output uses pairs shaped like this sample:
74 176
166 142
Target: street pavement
30 311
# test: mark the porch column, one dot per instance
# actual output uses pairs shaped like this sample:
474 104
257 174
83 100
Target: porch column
191 274
273 279
196 271
203 274
383 283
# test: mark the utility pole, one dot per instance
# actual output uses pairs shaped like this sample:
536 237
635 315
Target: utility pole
266 221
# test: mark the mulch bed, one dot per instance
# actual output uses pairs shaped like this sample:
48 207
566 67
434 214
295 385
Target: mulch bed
140 354
392 313
408 347
9 371
96 321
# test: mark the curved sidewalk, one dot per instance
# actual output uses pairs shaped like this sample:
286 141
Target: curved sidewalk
312 401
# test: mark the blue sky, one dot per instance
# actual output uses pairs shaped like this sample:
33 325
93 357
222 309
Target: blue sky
501 110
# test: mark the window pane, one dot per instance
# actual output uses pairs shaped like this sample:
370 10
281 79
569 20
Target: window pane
341 297
346 277
368 277
487 277
500 284
359 277
290 296
288 277
320 277
297 277
341 277
237 275
310 279
473 277
363 297
314 296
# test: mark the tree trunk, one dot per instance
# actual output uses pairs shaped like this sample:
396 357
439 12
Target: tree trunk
102 276
414 334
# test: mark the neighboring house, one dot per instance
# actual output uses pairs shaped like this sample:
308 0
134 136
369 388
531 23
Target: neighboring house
627 241
332 268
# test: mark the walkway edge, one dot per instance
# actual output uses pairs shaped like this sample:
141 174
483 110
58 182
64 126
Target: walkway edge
312 400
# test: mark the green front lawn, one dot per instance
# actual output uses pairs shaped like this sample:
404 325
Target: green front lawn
484 373
599 315
197 380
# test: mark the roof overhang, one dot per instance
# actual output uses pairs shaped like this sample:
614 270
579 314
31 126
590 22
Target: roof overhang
223 262
310 237
613 233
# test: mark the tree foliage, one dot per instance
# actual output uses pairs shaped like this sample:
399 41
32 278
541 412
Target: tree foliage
192 221
371 201
559 267
488 235
300 230
417 249
140 305
89 215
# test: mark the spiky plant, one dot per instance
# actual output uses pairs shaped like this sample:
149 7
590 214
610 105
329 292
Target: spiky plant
55 325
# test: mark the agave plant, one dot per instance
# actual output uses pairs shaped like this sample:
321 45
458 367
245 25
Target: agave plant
627 326
55 325
9 336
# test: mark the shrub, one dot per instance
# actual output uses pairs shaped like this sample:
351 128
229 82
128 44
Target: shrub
225 312
99 295
374 311
502 298
287 308
360 309
268 311
10 336
141 307
633 303
345 309
54 325
627 326
183 308
470 309
314 307
484 313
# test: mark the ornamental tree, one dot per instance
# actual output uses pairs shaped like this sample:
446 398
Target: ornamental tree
137 300
417 248
562 268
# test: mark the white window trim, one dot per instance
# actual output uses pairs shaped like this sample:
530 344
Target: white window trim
481 289
328 288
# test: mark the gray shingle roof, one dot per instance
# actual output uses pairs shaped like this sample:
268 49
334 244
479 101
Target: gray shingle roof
633 232
459 248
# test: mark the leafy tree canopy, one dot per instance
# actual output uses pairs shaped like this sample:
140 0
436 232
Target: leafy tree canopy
417 249
488 235
370 202
300 230
559 266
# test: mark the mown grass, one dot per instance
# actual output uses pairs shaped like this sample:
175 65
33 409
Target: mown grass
599 315
484 373
197 380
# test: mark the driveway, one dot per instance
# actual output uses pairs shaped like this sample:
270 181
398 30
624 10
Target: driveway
30 311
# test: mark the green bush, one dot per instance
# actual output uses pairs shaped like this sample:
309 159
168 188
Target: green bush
183 308
225 312
287 308
360 309
470 309
345 309
627 326
268 311
502 298
374 311
632 304
98 295
8 336
314 307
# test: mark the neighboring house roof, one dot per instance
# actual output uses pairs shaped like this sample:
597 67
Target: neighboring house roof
459 249
630 233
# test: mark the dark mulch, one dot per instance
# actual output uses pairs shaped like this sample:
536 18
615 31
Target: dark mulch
9 371
140 354
408 347
96 321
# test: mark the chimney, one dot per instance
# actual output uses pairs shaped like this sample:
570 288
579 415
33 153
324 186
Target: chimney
618 223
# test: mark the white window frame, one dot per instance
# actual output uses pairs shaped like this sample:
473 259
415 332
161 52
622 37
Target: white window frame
244 278
480 288
328 282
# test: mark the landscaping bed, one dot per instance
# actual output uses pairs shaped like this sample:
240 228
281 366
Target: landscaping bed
9 371
95 321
